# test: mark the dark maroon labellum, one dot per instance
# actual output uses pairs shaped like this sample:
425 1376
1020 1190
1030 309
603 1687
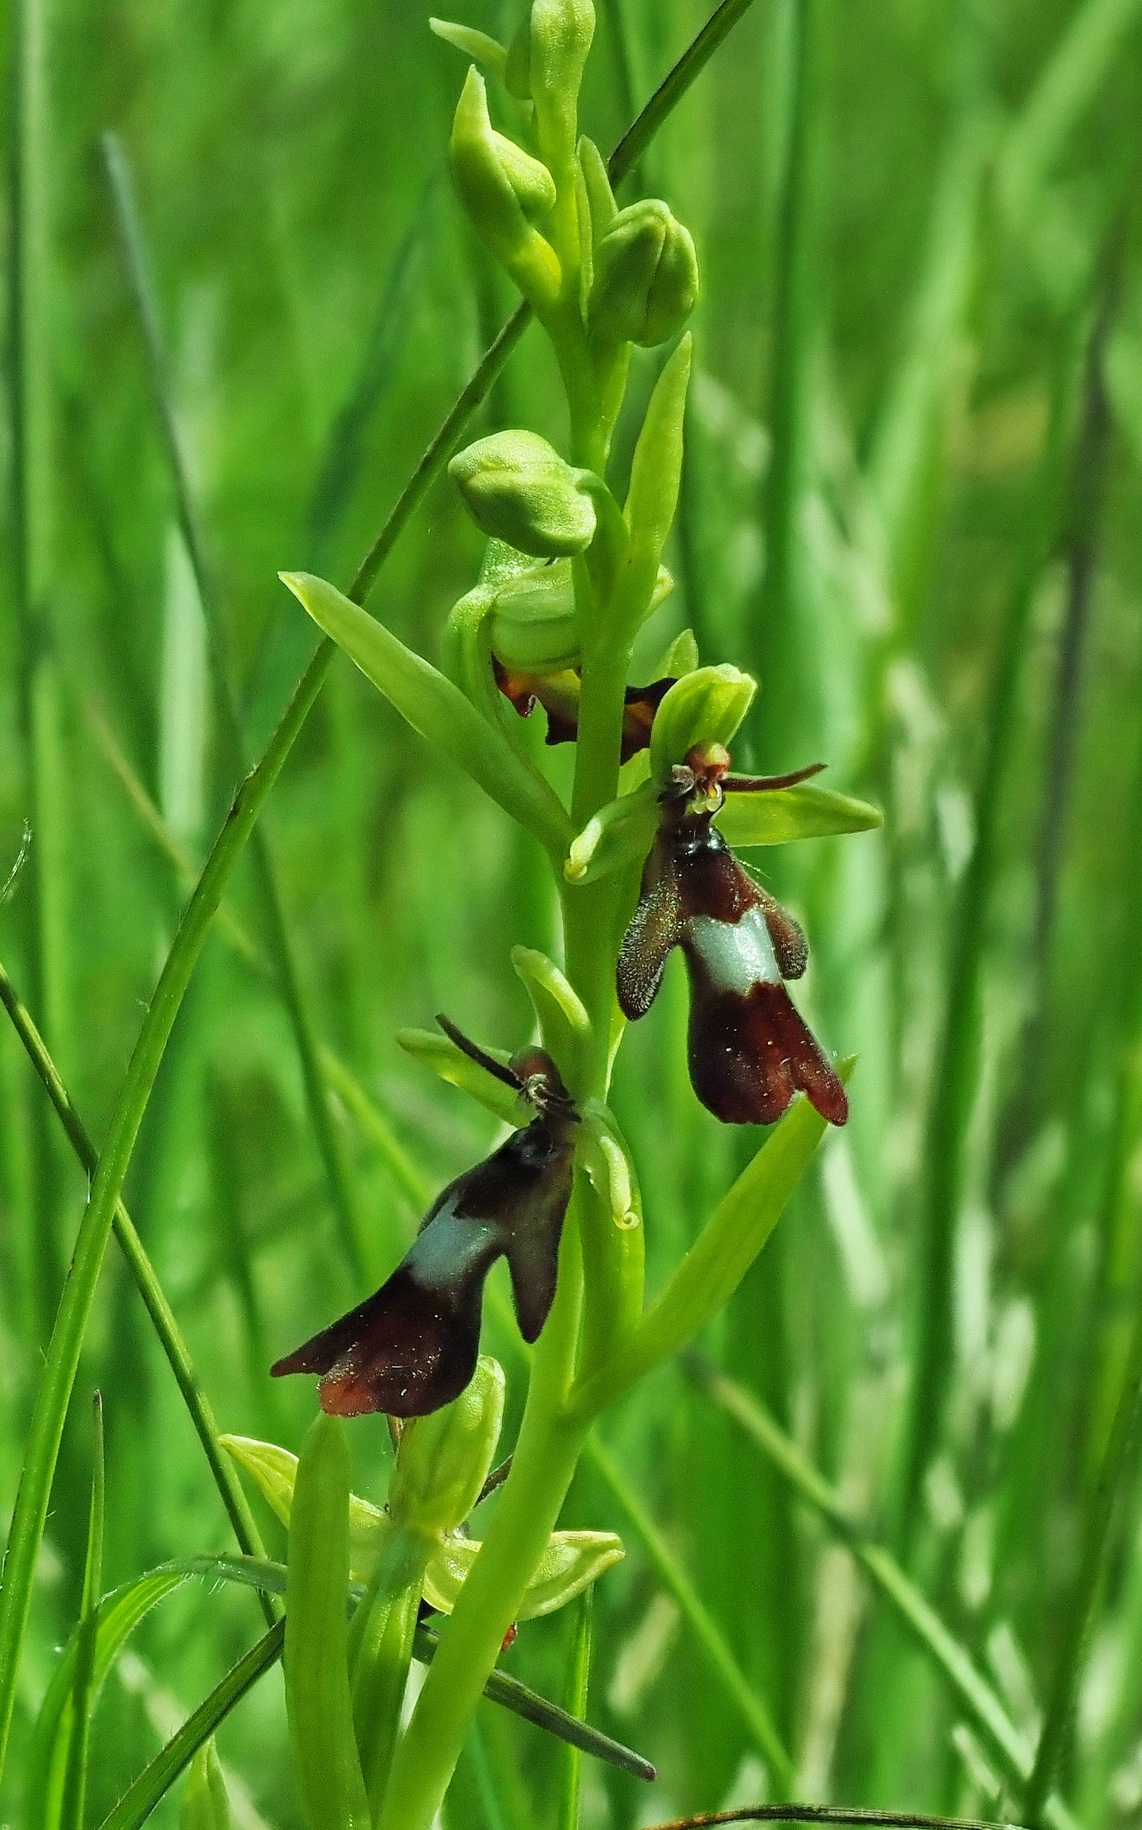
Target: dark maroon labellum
749 1050
559 696
413 1345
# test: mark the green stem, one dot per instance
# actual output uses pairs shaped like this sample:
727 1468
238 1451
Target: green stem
542 1467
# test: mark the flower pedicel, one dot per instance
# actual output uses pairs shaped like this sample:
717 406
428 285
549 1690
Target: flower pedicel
412 1346
749 1050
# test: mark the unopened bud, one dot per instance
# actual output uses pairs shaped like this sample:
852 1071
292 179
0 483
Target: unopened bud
505 192
545 65
533 620
646 277
517 488
704 707
443 1460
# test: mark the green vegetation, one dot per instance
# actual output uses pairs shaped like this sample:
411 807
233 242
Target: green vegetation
882 1521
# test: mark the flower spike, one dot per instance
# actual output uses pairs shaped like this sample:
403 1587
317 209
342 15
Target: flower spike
749 1050
413 1345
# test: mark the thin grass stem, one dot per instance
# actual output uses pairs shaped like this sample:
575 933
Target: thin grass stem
162 1316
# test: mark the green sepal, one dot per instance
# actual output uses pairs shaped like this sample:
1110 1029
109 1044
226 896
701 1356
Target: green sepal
518 489
572 1561
608 1163
706 706
564 1026
436 709
454 1066
656 473
275 1471
620 833
444 1458
315 1659
205 1805
503 193
680 658
783 814
476 45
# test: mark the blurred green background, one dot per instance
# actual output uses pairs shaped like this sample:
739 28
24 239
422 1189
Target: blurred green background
910 506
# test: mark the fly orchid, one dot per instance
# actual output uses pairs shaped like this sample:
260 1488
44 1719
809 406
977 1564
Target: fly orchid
749 1050
413 1345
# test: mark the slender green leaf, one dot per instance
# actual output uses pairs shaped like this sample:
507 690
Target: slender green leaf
318 1700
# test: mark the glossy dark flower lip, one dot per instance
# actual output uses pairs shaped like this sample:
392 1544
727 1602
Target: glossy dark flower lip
412 1346
558 693
749 1049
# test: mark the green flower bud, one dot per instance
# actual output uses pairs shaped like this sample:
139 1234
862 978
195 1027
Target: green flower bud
646 277
703 707
444 1458
517 488
545 65
505 191
533 620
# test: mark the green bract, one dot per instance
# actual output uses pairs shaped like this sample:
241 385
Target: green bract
517 488
436 708
706 706
315 1659
564 1026
444 1458
646 277
205 1805
476 45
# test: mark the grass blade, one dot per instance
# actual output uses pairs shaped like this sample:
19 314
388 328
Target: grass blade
977 1696
575 1702
75 1781
156 1780
162 1316
281 945
737 1690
